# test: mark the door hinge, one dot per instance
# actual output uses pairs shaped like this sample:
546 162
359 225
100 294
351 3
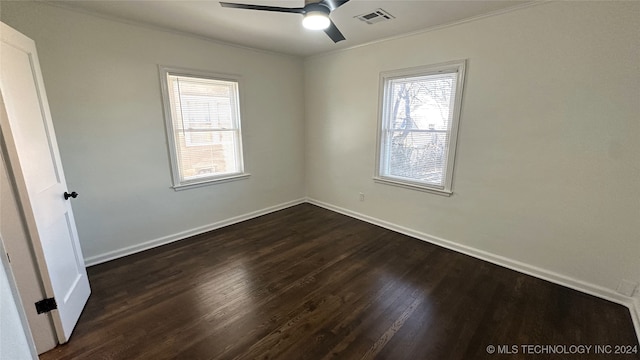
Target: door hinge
8 257
46 305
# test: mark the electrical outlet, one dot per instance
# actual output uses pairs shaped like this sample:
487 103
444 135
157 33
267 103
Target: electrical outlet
627 287
361 196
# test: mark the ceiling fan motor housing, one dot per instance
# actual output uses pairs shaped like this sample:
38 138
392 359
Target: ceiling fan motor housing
319 7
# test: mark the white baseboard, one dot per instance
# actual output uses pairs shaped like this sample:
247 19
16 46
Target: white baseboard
575 284
129 250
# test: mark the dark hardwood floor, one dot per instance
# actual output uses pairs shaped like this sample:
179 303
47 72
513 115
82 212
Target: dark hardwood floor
308 283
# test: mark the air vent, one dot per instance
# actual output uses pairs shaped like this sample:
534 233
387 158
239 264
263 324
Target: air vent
375 16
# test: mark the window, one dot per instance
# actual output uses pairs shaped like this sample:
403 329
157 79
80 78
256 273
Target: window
202 114
419 115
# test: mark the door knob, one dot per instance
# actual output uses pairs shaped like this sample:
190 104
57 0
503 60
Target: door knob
73 195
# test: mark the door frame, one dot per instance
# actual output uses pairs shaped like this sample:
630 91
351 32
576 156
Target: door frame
28 287
16 299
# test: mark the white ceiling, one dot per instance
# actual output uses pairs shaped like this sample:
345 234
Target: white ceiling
283 32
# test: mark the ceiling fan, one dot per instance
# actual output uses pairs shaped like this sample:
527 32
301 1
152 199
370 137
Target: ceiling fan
316 14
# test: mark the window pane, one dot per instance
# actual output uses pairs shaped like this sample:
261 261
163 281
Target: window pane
417 126
422 110
422 102
219 157
206 127
418 156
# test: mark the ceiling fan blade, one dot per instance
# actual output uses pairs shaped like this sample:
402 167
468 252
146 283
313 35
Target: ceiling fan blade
334 4
262 7
334 33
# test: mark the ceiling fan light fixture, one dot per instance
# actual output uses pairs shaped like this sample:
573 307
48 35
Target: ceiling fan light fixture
316 20
315 14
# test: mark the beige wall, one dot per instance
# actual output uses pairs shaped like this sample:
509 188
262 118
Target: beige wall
102 82
548 165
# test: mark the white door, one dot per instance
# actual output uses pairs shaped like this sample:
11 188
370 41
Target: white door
30 143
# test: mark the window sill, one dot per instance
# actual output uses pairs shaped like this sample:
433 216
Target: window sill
413 186
205 182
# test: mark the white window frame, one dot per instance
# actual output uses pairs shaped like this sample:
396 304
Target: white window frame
178 183
383 125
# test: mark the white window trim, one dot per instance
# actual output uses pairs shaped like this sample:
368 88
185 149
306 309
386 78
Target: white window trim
446 67
175 172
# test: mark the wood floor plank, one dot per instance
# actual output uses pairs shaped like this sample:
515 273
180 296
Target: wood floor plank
308 283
